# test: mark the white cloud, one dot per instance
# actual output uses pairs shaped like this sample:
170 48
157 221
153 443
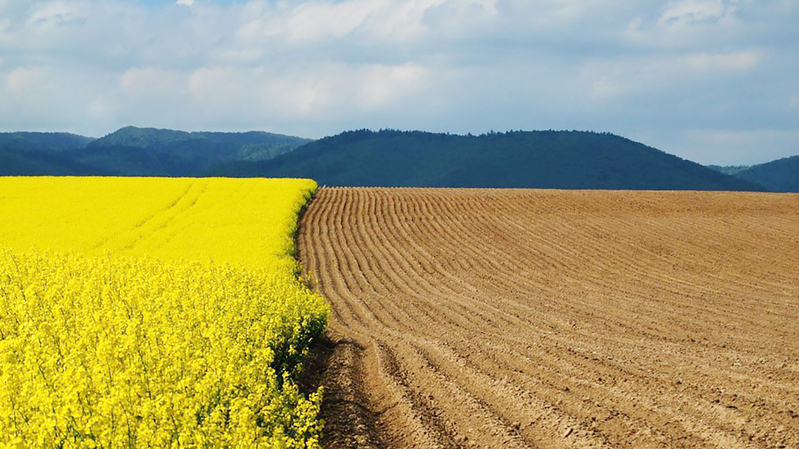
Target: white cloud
369 22
25 81
383 85
313 67
54 14
299 93
732 61
691 24
102 107
611 79
686 12
151 83
315 21
225 88
46 99
4 25
10 8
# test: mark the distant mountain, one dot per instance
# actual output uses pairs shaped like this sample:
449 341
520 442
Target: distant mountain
162 152
537 159
251 146
25 153
52 143
778 176
22 163
546 159
731 170
118 160
134 151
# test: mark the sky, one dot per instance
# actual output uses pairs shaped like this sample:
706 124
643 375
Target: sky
713 81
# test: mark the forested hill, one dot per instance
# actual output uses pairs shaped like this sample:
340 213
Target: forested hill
163 152
545 159
537 159
778 176
134 151
248 146
26 153
51 143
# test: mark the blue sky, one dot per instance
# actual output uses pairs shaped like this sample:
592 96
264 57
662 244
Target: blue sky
713 81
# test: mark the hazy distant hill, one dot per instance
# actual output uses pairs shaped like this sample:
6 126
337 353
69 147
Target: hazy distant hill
543 159
548 159
161 152
253 145
779 176
52 143
25 153
20 163
132 161
729 169
134 151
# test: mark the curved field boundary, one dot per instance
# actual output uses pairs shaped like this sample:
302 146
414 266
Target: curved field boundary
524 318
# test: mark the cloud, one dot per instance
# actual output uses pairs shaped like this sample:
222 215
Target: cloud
365 22
695 24
659 71
25 81
313 93
725 62
669 75
43 98
151 83
724 144
382 85
686 12
54 14
315 21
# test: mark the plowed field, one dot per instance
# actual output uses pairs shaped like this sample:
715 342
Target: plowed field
525 318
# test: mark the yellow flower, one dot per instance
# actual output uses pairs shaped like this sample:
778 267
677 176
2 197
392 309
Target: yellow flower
162 313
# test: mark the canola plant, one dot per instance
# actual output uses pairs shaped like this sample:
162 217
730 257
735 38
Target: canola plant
154 313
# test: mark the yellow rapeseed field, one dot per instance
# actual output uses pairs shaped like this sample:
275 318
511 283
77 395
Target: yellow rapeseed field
154 313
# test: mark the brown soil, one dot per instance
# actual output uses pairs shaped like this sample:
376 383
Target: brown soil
525 318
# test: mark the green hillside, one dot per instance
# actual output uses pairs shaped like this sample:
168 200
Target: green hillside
538 159
20 163
132 161
134 151
52 143
543 159
26 153
778 176
253 145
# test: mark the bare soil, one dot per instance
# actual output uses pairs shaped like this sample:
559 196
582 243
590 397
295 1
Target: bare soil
535 318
